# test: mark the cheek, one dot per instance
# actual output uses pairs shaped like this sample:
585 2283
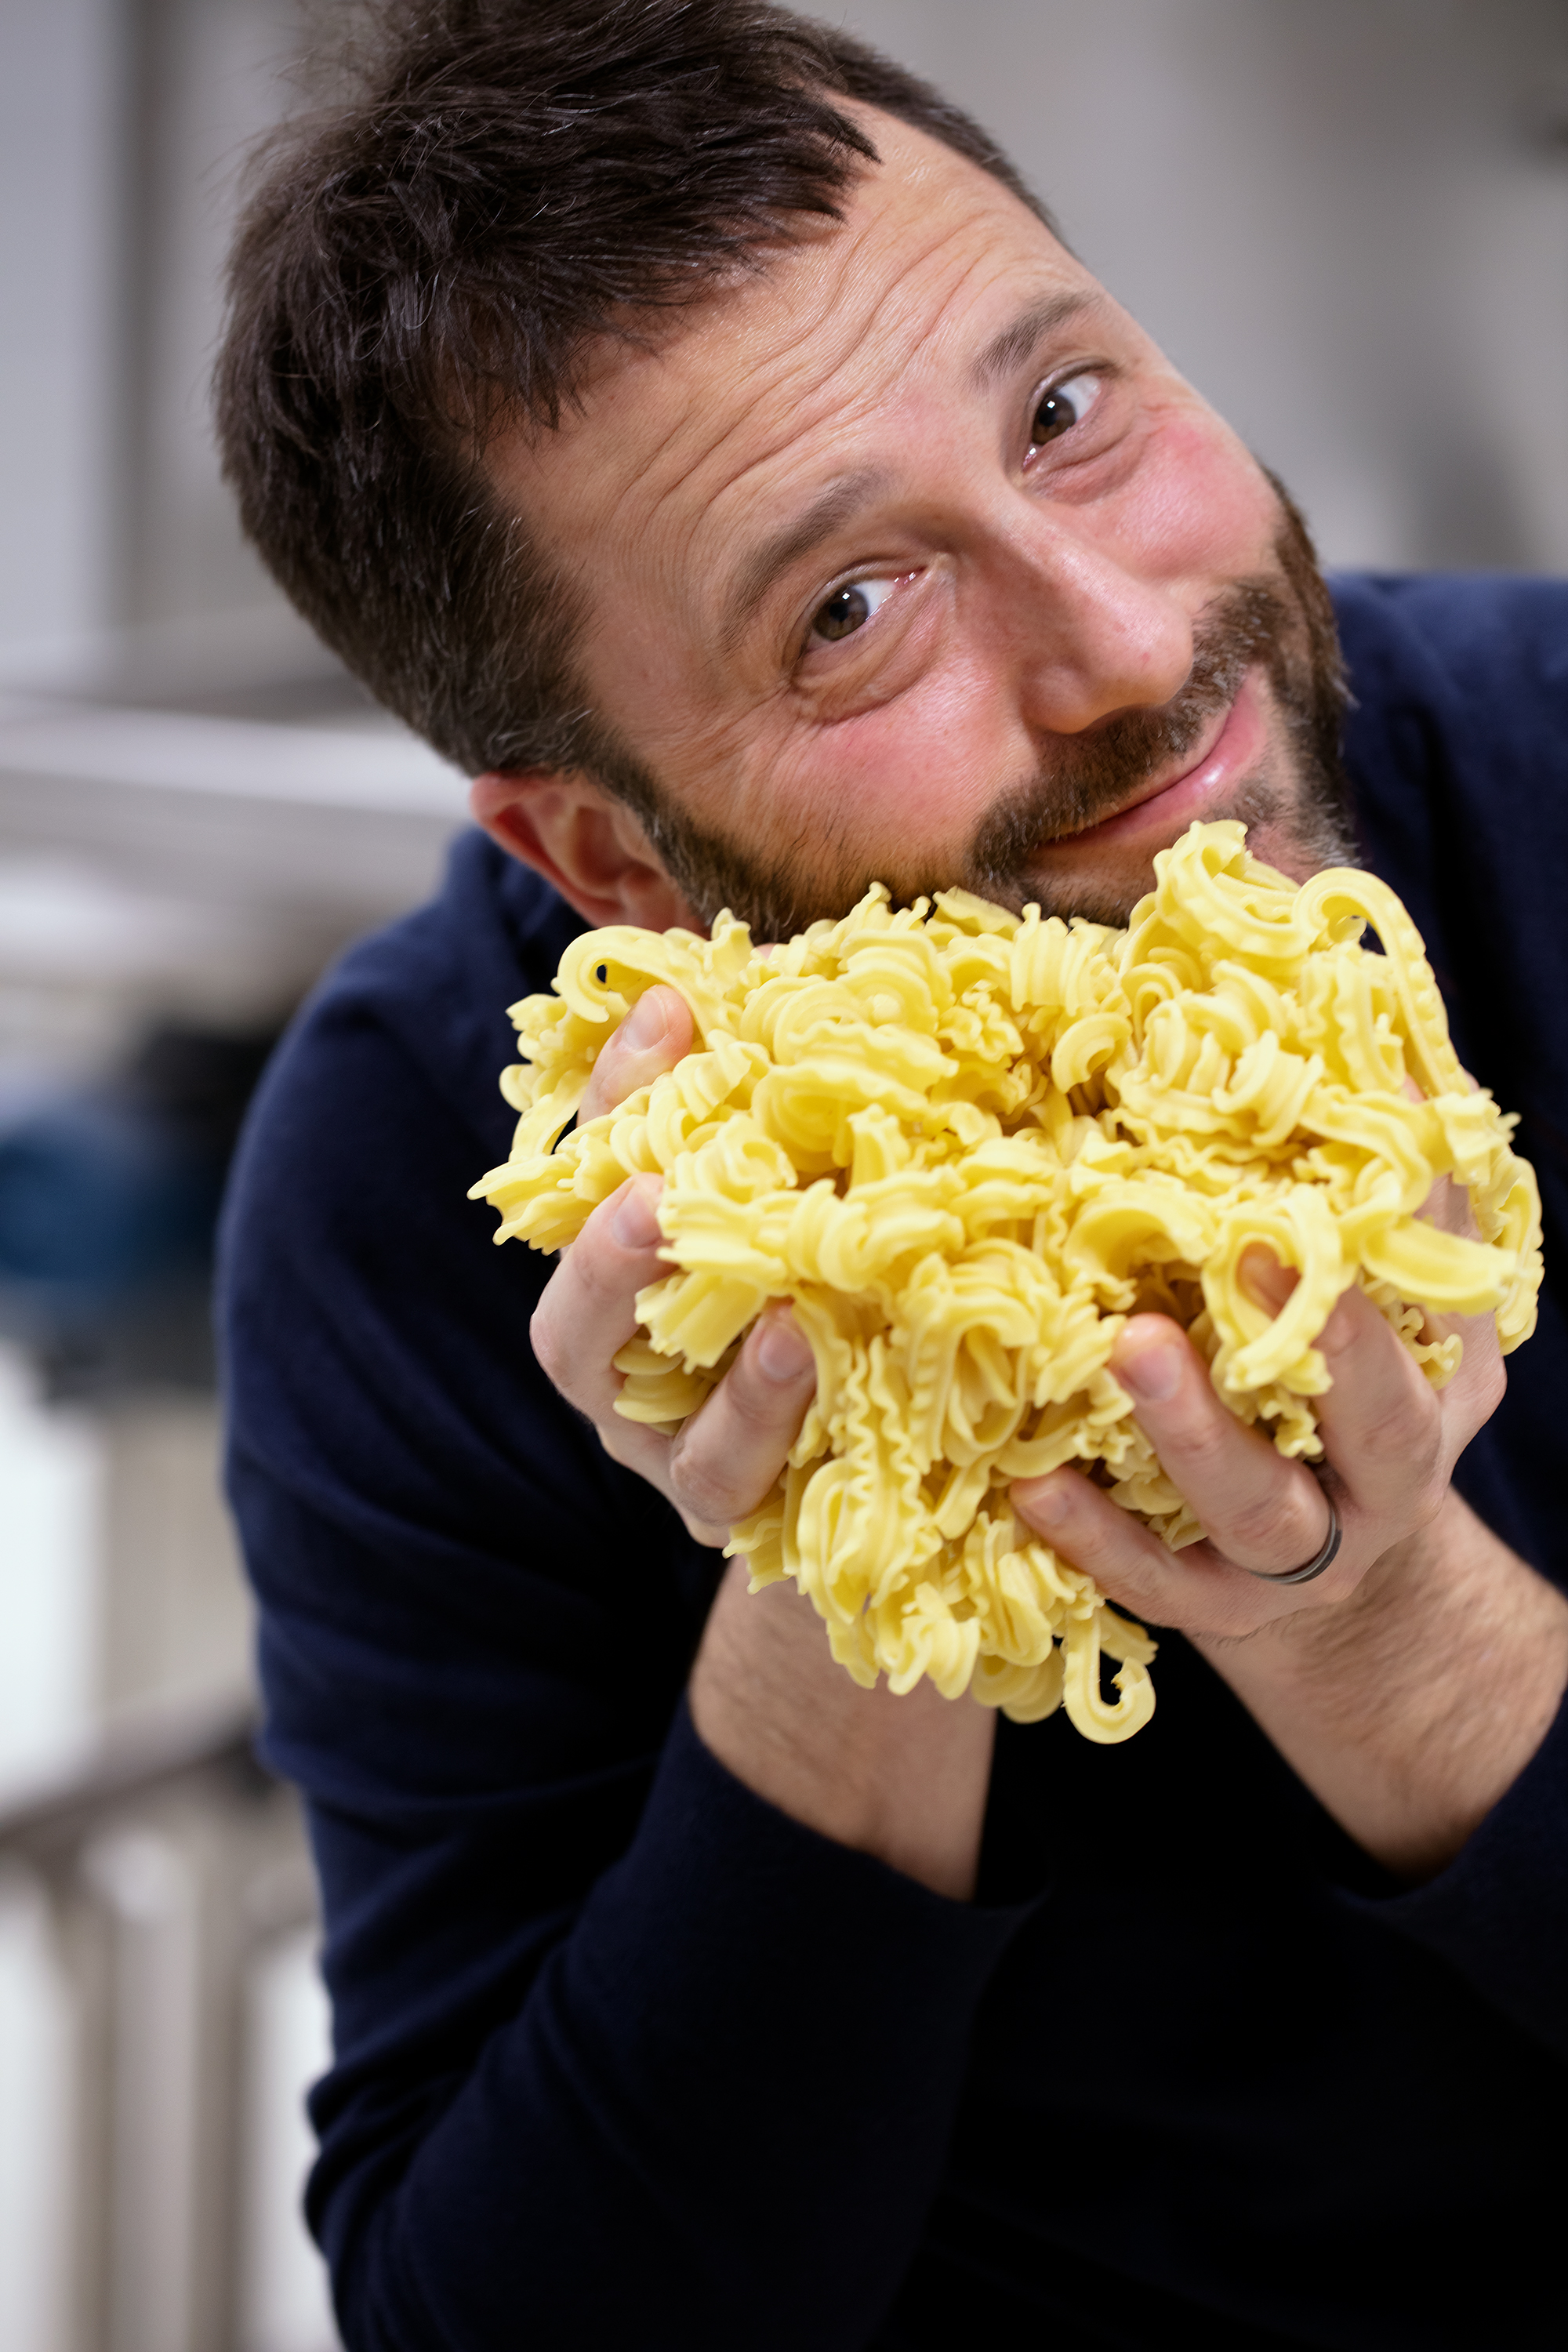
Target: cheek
891 789
1203 510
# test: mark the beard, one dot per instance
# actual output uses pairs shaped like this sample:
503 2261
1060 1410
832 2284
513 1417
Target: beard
1284 624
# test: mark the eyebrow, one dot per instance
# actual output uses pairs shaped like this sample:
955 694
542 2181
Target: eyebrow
1016 342
838 504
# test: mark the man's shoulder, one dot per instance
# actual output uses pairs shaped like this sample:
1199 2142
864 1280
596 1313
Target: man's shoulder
435 985
379 1375
1455 735
1467 619
1465 671
348 1202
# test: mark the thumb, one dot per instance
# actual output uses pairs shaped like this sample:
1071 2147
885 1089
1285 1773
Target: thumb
652 1038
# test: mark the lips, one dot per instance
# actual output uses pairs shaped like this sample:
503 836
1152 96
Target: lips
1232 741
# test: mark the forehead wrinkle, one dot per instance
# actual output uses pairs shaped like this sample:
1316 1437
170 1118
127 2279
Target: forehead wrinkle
743 473
805 377
701 439
785 365
840 498
689 575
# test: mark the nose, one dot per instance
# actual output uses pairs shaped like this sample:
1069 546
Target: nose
1088 634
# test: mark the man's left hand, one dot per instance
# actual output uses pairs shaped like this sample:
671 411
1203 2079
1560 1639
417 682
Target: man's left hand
1410 1684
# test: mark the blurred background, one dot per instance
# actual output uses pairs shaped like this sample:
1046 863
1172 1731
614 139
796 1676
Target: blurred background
1347 220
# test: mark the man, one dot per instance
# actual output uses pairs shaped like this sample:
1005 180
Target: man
690 423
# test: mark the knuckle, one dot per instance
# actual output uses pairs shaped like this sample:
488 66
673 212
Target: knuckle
703 1494
1109 1546
760 1411
1203 1446
1406 1434
1275 1525
597 1278
1128 1581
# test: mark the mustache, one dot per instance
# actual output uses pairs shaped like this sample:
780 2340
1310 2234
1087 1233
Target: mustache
1102 772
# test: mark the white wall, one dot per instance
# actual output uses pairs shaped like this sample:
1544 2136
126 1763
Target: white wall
215 75
122 127
285 2303
60 83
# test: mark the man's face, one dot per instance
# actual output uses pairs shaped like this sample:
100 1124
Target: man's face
912 559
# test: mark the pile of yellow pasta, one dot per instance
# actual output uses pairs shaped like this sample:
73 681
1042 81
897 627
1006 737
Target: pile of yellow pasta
966 1147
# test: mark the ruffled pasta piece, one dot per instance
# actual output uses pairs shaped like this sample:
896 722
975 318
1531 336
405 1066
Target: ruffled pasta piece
965 1146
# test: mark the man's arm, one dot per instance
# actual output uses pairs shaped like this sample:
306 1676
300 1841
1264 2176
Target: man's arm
1413 1707
1409 1686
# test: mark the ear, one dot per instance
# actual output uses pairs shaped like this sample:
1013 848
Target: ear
590 846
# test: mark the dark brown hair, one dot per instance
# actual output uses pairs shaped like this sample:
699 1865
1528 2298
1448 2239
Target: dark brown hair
506 180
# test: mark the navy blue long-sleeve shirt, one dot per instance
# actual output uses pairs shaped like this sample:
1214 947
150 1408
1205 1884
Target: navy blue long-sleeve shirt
624 2057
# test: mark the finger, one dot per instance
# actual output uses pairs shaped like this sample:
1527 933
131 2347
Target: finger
729 1455
652 1038
1474 1392
1448 1206
1194 1589
587 1311
1255 1507
1381 1423
1476 1388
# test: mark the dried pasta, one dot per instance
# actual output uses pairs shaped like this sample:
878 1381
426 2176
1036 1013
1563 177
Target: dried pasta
967 1145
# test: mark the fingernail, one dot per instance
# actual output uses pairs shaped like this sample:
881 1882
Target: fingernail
645 1024
1152 1373
634 1224
784 1352
1045 1506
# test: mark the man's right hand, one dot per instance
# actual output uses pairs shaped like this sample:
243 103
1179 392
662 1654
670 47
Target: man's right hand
729 1454
902 1778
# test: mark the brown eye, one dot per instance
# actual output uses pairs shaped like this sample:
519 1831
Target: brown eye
848 609
1065 406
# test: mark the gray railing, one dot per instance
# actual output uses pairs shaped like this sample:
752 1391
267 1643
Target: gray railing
171 1863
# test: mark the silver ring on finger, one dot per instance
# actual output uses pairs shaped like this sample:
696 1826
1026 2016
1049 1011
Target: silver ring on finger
1315 1566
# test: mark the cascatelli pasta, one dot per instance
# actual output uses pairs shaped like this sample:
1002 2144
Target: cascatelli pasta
966 1145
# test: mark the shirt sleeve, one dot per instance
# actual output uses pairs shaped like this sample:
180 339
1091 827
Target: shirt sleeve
1499 1914
614 2038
